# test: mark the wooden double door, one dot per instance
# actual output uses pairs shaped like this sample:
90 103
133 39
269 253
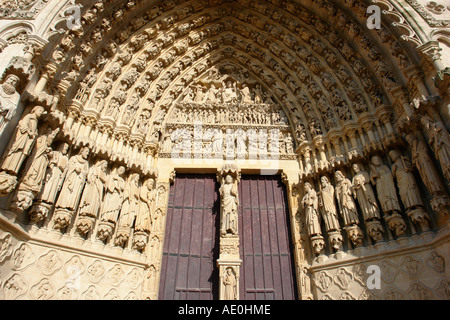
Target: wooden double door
191 244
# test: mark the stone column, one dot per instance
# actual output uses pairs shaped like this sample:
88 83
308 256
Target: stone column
229 262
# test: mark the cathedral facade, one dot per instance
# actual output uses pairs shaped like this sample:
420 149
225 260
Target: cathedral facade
224 149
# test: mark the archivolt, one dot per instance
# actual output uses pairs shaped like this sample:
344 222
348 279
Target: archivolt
309 65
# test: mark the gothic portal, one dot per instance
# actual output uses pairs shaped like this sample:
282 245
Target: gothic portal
224 149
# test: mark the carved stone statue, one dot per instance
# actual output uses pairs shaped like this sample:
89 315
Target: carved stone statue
439 140
424 164
9 98
382 178
217 142
22 141
54 178
363 192
35 170
230 285
229 92
112 203
229 208
77 170
246 96
409 191
212 94
259 96
114 195
129 211
310 205
326 203
346 204
92 197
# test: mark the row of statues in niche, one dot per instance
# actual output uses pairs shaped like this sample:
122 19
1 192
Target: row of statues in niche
321 205
220 142
227 92
232 114
94 193
45 179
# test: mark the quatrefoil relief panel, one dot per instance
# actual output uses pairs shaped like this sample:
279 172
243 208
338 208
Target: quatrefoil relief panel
435 7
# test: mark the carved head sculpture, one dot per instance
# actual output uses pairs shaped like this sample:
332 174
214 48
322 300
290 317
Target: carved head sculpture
228 179
121 170
84 152
134 178
39 111
150 183
410 138
11 83
307 187
394 154
103 165
324 180
339 176
356 167
64 148
376 161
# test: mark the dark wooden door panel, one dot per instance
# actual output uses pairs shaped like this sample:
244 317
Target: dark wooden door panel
267 271
188 269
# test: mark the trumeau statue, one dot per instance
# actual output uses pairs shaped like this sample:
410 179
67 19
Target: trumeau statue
230 285
381 176
23 141
363 192
229 199
9 98
346 204
326 203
